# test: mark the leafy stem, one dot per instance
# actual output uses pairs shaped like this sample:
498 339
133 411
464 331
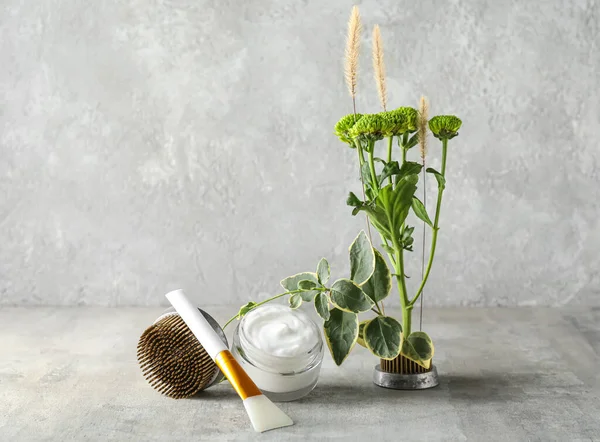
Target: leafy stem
377 310
289 292
435 225
340 302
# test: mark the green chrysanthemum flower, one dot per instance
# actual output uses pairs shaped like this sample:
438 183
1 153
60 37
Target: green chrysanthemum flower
445 127
342 127
371 127
396 122
409 117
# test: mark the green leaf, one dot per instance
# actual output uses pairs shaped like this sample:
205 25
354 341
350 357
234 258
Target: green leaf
353 200
291 282
362 259
308 296
441 180
307 284
377 216
418 347
245 309
390 169
395 203
341 333
295 300
413 141
365 173
388 249
380 283
322 305
410 168
420 211
323 271
348 296
361 333
383 336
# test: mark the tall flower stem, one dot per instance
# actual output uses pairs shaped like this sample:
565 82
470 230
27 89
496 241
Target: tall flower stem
422 123
397 260
403 142
361 160
423 240
361 155
399 267
372 165
404 303
435 225
389 152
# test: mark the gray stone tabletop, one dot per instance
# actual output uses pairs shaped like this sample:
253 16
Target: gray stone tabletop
530 374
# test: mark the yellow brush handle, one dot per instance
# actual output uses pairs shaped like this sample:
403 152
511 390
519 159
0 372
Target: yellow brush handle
239 379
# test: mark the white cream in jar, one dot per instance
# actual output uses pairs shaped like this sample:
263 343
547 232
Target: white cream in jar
281 349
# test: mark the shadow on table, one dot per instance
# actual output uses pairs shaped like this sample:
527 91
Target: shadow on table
217 393
484 387
489 387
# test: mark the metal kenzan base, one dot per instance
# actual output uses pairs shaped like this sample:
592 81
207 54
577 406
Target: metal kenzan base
398 381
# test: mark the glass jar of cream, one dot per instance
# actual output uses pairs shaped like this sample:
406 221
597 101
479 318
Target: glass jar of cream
281 349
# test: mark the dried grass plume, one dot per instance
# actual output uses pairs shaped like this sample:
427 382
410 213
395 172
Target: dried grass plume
379 66
352 50
422 126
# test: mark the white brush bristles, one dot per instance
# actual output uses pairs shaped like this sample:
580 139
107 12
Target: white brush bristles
264 414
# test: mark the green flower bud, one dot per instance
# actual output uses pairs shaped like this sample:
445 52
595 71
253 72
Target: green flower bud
342 127
371 127
445 127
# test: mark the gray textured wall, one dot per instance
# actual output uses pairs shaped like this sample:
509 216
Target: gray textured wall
151 145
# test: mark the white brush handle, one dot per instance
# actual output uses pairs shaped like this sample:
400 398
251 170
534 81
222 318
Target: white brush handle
199 326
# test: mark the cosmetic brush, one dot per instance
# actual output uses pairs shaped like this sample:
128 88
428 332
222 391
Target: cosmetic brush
263 413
